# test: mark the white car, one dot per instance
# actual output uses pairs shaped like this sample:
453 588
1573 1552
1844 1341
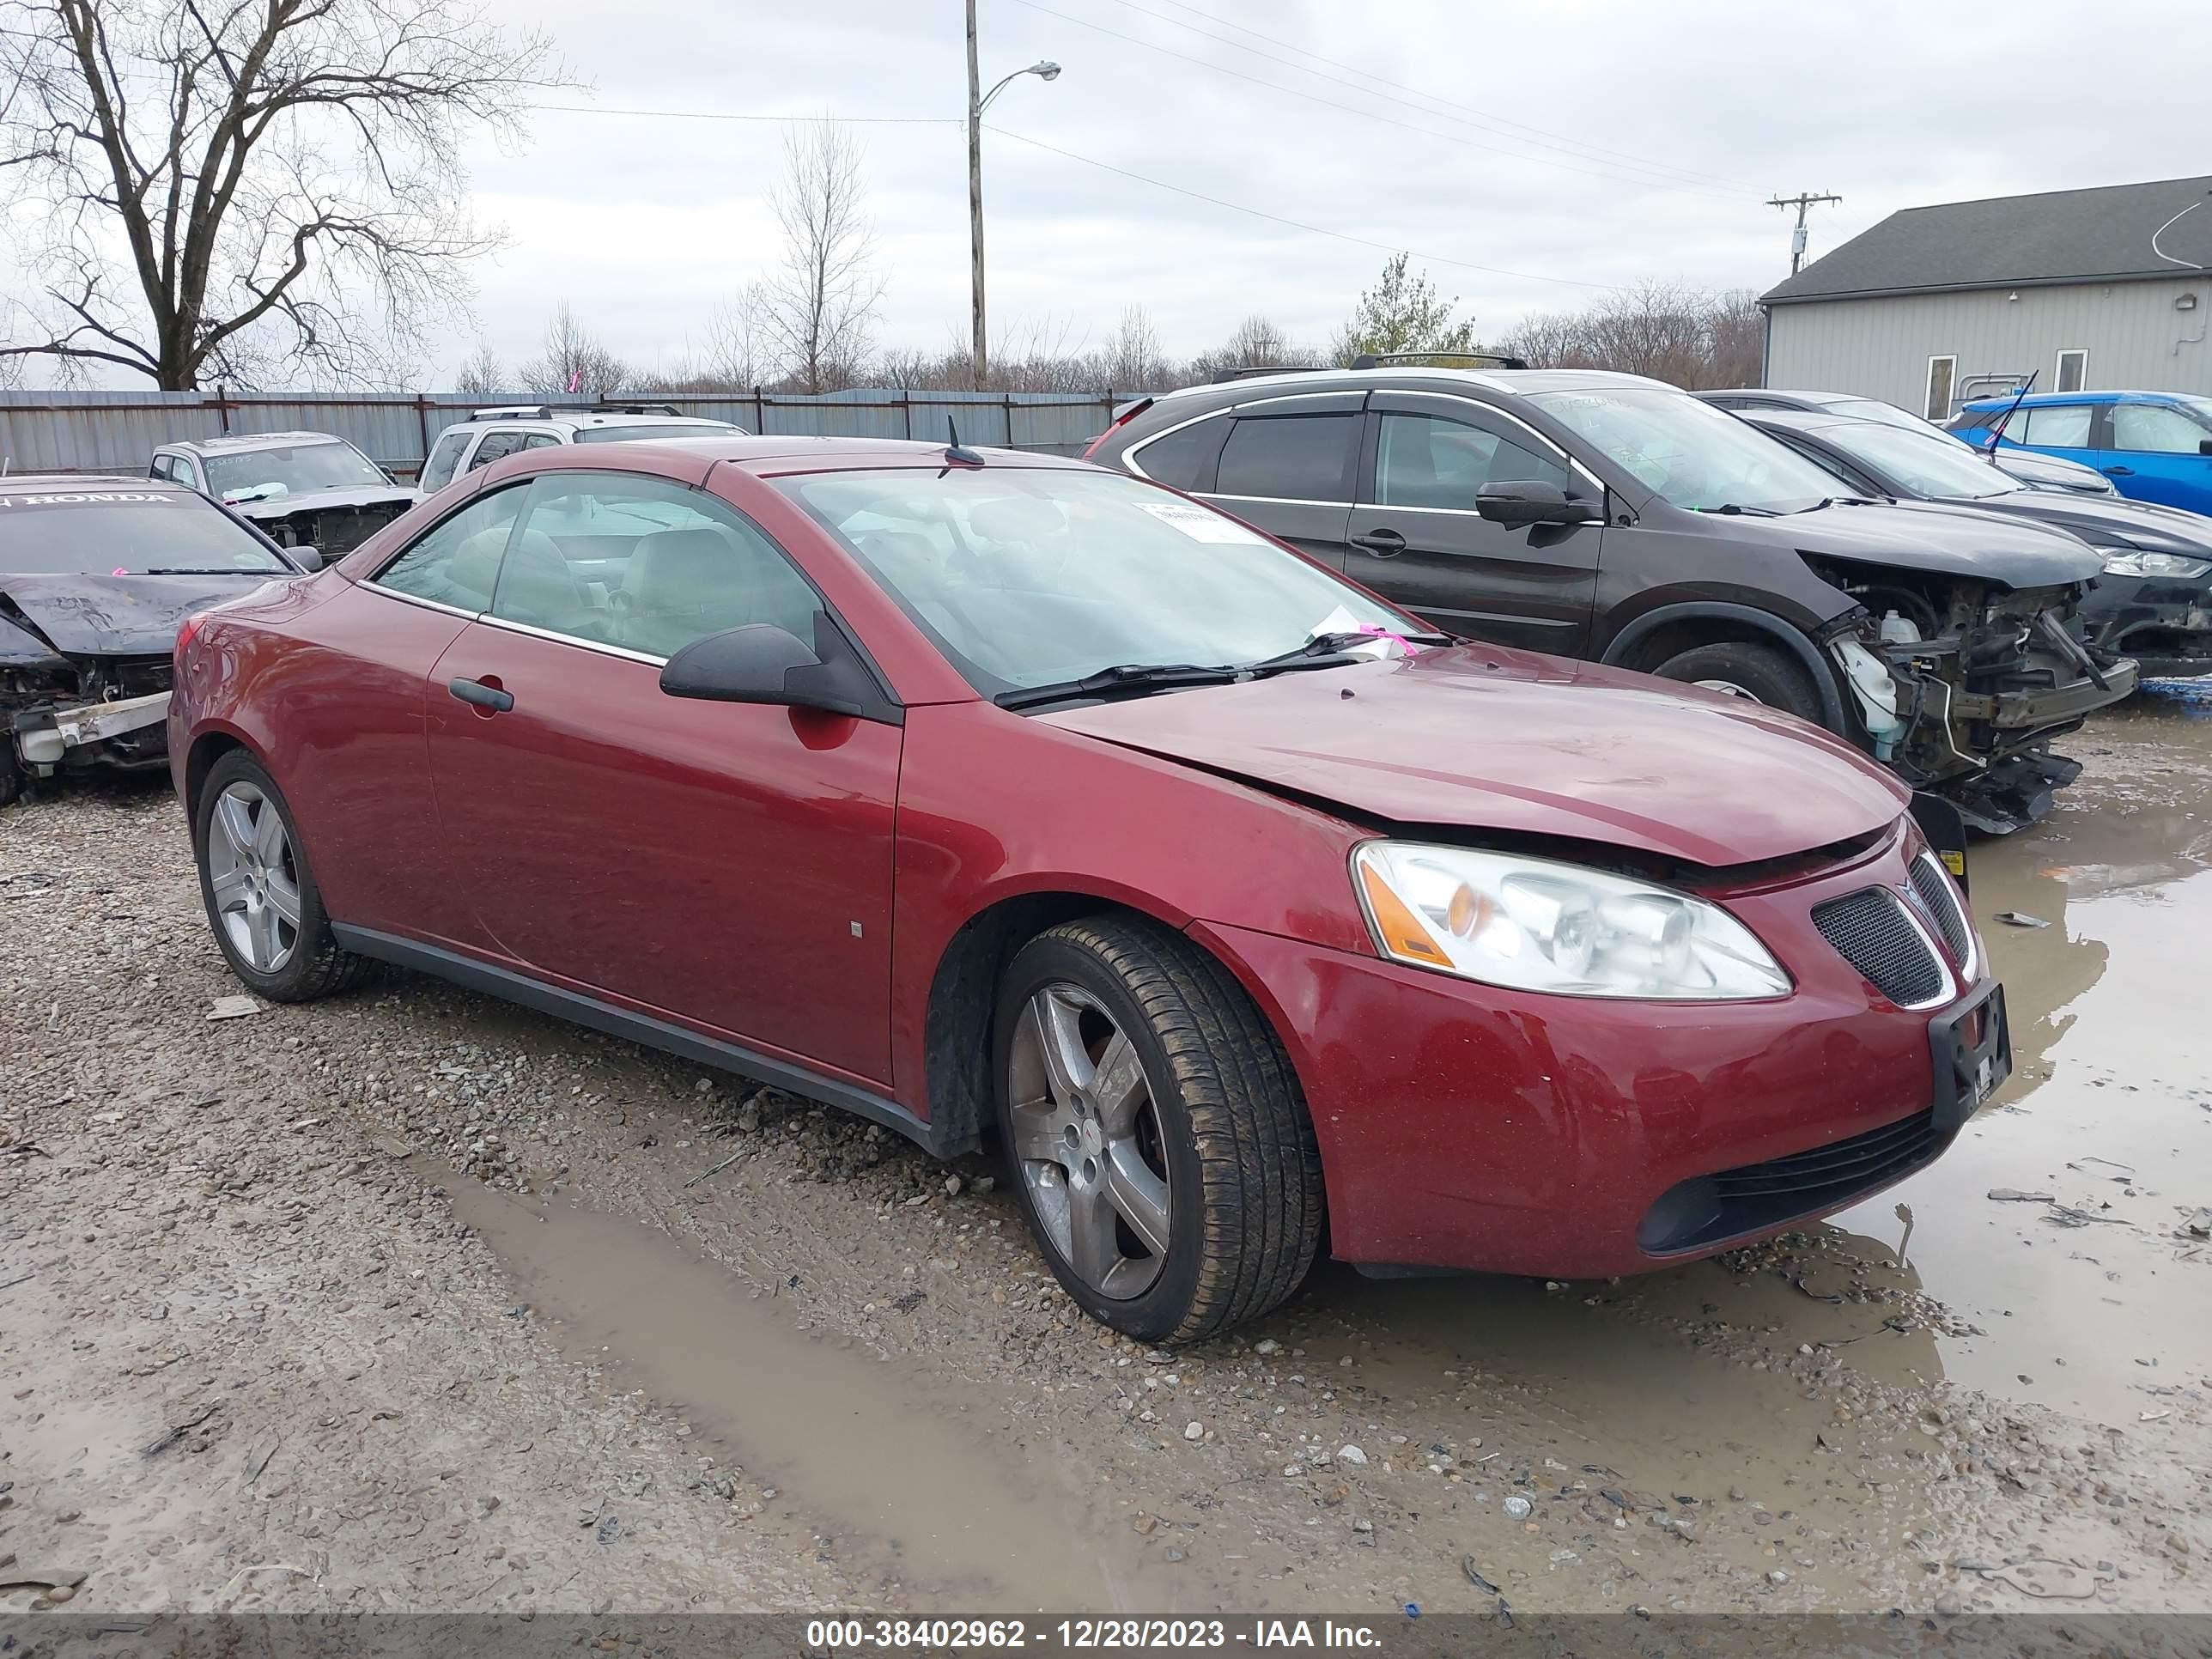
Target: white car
488 434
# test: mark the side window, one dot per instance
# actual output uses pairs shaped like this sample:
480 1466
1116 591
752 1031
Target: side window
456 561
163 467
627 560
188 472
2156 428
1184 458
495 445
1424 460
539 439
1293 458
2053 426
445 455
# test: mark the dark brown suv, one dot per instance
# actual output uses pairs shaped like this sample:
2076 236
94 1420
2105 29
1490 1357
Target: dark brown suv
1620 520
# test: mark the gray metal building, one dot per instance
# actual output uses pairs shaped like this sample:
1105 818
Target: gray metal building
2105 288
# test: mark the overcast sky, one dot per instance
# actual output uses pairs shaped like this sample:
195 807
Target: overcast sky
1568 143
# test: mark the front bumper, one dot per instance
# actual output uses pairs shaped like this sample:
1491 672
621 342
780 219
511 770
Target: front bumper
2016 715
127 732
2164 624
1465 1126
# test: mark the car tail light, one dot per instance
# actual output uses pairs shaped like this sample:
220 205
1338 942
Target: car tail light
1119 421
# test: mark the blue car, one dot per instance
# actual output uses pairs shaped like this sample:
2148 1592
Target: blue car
2154 446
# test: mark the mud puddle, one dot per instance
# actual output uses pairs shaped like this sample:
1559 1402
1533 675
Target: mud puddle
2090 1303
914 1484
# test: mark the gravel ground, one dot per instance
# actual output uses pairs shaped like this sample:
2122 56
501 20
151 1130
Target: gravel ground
410 1300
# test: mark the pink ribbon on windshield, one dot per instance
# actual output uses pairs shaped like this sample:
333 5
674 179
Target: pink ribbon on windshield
1404 644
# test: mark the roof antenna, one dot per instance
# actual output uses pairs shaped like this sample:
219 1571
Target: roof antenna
1997 432
956 453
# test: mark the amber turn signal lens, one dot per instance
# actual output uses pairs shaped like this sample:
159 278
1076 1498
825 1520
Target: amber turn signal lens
1402 930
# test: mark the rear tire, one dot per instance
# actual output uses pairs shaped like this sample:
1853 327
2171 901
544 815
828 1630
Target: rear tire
1171 1116
1757 673
261 897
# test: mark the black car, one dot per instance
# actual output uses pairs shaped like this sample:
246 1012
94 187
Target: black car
2154 598
2038 470
1618 518
96 573
304 489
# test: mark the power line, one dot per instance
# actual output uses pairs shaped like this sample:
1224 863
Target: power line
723 115
1295 224
1367 114
1466 113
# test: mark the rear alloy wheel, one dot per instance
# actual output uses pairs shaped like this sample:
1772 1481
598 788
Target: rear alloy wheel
1756 673
1164 1159
260 896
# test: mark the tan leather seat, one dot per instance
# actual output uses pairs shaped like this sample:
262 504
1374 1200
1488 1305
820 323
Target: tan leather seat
681 586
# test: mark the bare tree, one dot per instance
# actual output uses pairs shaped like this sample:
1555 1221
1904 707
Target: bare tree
816 310
481 376
573 359
245 186
1685 336
738 355
1132 357
1256 343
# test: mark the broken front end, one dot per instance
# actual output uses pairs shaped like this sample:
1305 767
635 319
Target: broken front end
1961 684
80 714
334 529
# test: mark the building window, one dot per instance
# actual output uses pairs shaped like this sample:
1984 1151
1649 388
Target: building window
2073 371
1942 372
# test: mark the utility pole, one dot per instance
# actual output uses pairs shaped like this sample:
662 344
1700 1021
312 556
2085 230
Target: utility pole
1800 202
978 102
976 205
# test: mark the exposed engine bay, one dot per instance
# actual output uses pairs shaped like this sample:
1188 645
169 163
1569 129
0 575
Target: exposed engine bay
335 529
1961 684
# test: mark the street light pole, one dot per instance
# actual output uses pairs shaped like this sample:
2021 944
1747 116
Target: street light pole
978 102
975 206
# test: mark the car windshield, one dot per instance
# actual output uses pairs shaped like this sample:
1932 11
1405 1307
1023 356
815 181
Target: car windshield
1873 409
1689 453
1026 576
257 474
1921 463
126 533
607 434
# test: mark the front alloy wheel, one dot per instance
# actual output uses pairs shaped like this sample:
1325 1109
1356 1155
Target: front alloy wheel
1087 1136
1167 1165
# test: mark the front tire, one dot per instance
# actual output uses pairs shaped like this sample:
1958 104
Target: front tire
1162 1154
262 901
1756 674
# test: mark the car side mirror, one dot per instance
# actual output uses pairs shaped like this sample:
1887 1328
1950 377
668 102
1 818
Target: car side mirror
307 557
2204 446
1520 502
764 664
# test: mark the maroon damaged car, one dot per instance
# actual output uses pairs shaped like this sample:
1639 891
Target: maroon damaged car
1003 799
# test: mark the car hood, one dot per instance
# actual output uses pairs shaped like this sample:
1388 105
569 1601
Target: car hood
2032 467
1480 737
2113 520
309 500
1932 536
110 616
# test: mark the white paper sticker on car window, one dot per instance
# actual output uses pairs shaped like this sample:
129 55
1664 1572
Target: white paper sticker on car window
1200 524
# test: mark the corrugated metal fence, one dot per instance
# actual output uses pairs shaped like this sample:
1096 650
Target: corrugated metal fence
116 431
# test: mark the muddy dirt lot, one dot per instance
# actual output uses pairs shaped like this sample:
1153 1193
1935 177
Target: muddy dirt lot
414 1301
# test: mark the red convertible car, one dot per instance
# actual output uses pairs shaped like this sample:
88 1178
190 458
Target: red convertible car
1001 798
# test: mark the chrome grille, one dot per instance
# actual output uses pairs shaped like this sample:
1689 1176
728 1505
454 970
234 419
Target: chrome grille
1873 932
1941 906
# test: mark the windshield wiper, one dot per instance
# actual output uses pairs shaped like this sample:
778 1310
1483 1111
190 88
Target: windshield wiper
196 570
1736 508
1123 676
1327 650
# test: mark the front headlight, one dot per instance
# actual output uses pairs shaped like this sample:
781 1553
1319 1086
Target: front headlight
2120 561
1534 925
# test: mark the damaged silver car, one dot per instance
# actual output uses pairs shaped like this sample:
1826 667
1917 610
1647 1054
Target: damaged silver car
96 574
300 488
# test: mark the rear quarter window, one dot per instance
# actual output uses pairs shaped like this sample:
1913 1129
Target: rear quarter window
1184 459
